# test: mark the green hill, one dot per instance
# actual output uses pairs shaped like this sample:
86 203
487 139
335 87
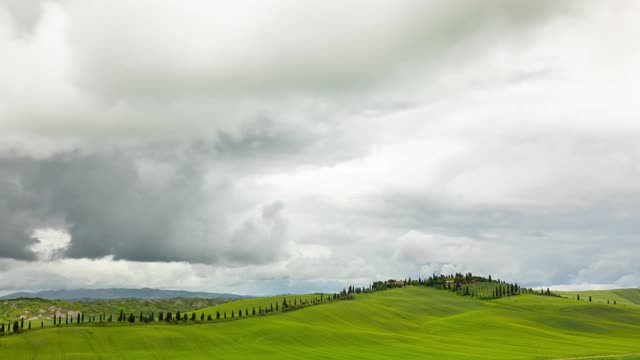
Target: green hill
412 323
621 296
257 304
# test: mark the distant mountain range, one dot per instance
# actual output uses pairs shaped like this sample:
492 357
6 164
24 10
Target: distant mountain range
118 293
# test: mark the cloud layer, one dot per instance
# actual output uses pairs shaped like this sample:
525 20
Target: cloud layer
274 146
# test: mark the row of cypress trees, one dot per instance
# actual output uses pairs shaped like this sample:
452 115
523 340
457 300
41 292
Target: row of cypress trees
285 305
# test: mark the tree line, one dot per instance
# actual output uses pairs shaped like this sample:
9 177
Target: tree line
287 304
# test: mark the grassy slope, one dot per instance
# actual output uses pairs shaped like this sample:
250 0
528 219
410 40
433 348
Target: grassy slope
402 323
622 296
249 304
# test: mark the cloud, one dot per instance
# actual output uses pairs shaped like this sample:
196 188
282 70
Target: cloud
211 68
142 208
51 242
300 145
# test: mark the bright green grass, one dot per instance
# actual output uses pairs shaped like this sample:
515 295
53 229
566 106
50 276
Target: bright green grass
249 304
621 296
408 323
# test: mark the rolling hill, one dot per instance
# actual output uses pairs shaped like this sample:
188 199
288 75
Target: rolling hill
621 296
412 322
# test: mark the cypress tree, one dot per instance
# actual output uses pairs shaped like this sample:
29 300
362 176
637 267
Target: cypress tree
193 316
232 314
140 316
202 316
131 318
168 317
209 317
16 327
184 316
54 320
578 297
178 318
161 316
78 317
589 298
81 317
21 323
41 324
217 314
254 311
29 324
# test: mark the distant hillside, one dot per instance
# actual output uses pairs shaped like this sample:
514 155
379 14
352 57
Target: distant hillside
43 310
117 293
620 296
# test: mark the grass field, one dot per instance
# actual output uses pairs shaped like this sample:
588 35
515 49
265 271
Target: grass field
249 304
621 296
411 323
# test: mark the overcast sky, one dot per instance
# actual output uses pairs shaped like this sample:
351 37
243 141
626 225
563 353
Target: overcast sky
281 146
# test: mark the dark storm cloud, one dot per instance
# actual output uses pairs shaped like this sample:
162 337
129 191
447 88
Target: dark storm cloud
128 206
19 211
111 210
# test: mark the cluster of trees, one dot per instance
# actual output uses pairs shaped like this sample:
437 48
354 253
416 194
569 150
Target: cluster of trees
465 284
541 292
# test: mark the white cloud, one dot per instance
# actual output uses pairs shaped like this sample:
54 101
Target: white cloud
51 243
289 143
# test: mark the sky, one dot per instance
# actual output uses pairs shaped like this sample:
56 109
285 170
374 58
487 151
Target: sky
263 147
